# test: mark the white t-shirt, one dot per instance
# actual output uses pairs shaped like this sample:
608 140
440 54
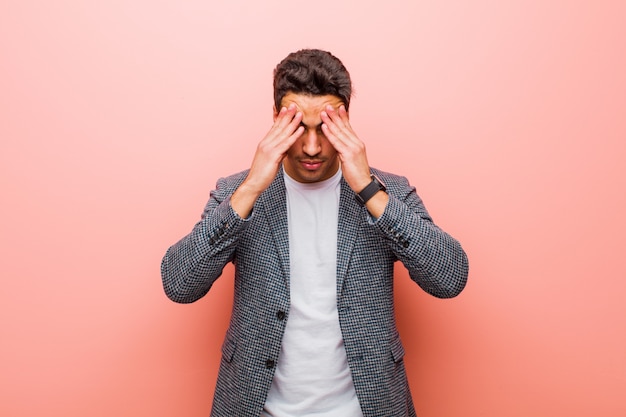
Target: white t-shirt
312 376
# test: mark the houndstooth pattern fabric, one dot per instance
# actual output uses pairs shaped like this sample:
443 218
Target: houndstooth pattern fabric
367 250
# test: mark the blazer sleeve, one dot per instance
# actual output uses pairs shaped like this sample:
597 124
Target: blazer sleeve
191 266
435 260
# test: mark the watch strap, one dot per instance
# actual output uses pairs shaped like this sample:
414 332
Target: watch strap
370 190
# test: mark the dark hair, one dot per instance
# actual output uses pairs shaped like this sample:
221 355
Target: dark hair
312 72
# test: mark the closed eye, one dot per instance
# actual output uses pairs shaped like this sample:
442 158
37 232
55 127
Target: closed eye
318 127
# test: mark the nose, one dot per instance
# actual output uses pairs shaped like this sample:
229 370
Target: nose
312 142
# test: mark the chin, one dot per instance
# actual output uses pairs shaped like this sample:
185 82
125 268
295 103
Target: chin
309 176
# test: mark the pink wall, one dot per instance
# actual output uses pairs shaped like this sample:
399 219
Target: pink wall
117 117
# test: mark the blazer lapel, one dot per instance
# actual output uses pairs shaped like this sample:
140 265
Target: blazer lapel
274 203
347 228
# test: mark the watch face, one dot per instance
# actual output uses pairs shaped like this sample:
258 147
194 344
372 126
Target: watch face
382 184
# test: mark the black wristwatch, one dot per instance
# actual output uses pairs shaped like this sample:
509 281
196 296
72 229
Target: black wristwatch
368 192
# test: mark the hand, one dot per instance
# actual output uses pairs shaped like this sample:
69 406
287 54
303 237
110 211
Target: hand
269 154
351 149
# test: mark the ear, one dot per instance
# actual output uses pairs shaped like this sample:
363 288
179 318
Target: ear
274 112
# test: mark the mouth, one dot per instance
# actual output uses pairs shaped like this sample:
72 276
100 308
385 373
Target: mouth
311 165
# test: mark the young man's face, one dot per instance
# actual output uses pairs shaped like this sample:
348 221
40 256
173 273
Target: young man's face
311 158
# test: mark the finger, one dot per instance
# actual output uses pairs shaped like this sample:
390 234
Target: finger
294 137
340 142
328 121
294 123
332 138
290 135
339 116
286 124
330 116
289 113
291 131
283 117
337 128
343 114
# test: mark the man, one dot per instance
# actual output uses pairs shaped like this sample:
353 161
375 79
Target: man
313 233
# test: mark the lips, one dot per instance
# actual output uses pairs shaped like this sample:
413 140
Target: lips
311 165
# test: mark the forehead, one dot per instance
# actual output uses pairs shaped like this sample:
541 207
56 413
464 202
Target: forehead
308 104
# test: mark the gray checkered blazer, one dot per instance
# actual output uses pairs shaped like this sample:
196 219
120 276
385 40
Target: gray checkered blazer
367 250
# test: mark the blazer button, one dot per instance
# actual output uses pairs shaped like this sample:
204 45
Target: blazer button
269 364
280 315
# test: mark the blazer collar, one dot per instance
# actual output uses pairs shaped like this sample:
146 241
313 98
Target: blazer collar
350 217
274 202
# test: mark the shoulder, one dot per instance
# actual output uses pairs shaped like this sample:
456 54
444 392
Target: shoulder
393 182
230 183
237 177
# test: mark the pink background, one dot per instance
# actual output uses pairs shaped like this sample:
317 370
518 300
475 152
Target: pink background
117 117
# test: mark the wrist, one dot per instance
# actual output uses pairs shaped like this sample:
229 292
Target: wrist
243 199
251 187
